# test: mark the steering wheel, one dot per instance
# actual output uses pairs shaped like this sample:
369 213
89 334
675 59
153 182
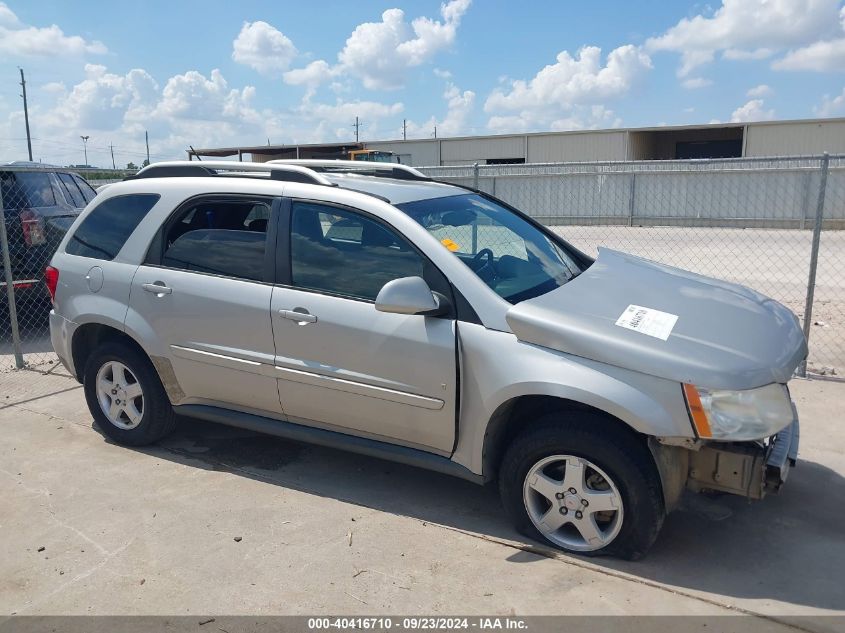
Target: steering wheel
487 270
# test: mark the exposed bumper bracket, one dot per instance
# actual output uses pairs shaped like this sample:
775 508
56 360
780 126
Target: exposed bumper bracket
748 469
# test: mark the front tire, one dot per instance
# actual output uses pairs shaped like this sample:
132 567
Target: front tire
126 397
583 486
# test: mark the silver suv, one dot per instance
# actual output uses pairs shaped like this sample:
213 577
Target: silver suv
371 308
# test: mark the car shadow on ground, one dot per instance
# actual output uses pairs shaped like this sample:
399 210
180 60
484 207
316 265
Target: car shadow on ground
786 548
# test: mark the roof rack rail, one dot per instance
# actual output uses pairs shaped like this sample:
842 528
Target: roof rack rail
384 170
186 168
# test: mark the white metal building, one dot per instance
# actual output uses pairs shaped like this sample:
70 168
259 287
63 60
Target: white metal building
724 140
771 138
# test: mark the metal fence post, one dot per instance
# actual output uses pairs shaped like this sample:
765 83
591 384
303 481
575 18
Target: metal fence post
475 224
632 199
10 287
814 255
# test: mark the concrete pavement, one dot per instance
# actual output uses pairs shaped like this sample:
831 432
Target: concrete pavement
153 531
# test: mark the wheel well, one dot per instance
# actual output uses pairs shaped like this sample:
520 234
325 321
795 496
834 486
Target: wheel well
90 336
518 414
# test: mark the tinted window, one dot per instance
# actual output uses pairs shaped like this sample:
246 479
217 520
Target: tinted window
342 252
72 192
106 228
27 189
221 238
87 190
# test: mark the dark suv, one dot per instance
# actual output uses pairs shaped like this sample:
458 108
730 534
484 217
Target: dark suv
40 203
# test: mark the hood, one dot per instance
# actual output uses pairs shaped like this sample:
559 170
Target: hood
666 322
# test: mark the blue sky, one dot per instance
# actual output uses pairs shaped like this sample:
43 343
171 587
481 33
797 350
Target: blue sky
228 73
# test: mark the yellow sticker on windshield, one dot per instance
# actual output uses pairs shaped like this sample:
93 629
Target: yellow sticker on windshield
449 244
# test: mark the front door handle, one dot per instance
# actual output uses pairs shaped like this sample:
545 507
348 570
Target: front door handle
157 288
300 315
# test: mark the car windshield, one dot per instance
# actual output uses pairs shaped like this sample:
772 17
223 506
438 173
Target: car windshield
511 255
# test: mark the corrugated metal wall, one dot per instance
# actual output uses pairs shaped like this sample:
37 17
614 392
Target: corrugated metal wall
801 138
557 148
761 139
470 150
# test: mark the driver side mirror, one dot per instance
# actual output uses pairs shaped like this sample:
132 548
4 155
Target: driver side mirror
410 295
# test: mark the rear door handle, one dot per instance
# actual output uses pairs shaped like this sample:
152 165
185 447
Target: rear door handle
303 318
157 288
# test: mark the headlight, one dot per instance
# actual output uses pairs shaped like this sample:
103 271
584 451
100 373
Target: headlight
739 415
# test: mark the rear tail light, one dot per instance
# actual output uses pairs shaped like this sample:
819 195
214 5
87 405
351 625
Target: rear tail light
33 228
51 278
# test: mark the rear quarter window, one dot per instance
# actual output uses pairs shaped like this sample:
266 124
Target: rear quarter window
106 228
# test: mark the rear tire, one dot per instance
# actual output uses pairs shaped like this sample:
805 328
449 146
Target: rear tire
126 397
584 486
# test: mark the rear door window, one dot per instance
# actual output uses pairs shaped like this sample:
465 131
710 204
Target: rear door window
106 228
226 237
88 192
71 191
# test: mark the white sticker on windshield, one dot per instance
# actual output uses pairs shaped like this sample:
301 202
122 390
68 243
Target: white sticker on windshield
648 321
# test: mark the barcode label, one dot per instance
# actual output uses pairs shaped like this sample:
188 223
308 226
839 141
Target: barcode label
648 321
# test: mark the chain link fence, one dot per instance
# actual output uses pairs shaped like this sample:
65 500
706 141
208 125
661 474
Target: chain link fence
772 224
758 222
37 206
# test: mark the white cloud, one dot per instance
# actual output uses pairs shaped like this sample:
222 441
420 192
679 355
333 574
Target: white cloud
578 118
103 100
312 75
823 55
459 107
20 40
263 48
7 16
190 108
380 53
694 83
819 56
742 29
318 122
739 54
831 107
752 111
193 96
760 91
568 94
574 81
54 87
443 74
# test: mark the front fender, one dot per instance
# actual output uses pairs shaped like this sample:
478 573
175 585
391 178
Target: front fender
497 368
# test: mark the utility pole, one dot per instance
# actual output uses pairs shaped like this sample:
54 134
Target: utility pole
85 147
111 147
356 126
26 115
435 131
147 140
404 130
